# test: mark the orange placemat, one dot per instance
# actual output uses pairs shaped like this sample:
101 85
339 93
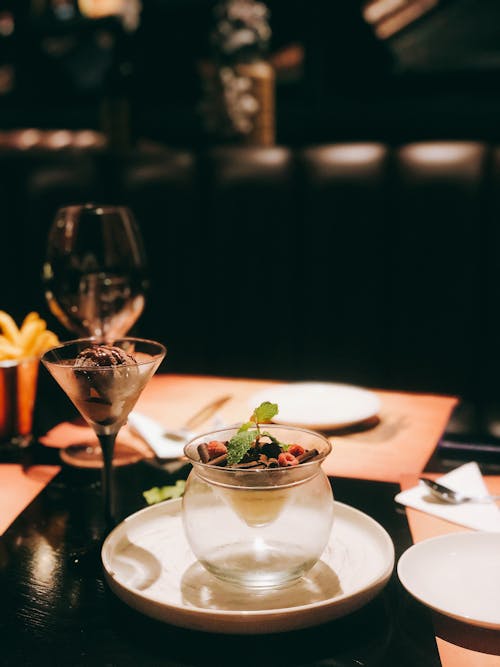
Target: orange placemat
409 429
403 439
459 644
18 487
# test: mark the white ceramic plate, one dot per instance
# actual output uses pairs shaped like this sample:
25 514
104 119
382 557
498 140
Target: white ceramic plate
149 565
320 405
457 575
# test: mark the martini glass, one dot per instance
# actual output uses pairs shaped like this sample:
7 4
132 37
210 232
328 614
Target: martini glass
105 394
95 278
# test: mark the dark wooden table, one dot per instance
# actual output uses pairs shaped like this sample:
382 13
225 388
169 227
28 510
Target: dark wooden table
56 608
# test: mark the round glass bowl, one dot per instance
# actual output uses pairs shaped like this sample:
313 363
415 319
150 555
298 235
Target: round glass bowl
259 528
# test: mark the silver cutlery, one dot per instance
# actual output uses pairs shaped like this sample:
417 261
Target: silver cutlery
184 433
448 495
169 444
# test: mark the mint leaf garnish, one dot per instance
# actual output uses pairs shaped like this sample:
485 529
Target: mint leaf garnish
239 445
273 439
264 413
247 425
159 493
249 431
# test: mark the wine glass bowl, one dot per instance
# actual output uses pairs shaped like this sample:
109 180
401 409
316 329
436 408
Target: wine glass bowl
104 389
95 270
95 284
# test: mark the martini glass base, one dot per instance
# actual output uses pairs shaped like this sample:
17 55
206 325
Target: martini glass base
89 455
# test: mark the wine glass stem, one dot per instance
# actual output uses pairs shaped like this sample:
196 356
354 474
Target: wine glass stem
107 443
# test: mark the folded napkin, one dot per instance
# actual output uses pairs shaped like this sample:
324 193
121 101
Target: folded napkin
468 480
154 434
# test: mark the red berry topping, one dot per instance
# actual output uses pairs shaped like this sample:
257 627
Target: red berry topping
286 459
296 450
216 448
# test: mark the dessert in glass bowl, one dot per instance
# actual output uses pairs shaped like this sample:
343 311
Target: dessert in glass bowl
258 509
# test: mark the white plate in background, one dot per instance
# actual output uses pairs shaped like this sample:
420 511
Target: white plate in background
456 574
319 405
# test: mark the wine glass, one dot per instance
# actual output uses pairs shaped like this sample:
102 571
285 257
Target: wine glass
95 283
95 270
104 383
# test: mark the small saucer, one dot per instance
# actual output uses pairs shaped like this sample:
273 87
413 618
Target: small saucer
457 575
148 564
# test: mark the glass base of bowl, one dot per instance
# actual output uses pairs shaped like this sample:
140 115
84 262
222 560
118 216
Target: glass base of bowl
258 565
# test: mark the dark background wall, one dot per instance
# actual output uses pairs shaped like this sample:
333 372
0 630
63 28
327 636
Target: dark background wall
363 248
357 262
436 78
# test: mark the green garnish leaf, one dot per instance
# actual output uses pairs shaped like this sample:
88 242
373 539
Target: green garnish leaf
274 440
159 493
247 425
264 413
239 445
249 432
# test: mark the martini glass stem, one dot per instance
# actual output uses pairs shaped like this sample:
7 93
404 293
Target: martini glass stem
107 442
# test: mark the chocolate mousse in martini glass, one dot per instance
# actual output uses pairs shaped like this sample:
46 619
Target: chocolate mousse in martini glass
95 279
104 382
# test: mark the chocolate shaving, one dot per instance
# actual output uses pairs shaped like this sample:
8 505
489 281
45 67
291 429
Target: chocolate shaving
203 453
219 460
250 464
254 458
307 455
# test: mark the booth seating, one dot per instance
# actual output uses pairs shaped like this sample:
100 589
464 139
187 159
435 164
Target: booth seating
364 263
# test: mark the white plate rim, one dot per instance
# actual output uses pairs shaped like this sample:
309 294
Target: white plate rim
413 552
372 588
368 394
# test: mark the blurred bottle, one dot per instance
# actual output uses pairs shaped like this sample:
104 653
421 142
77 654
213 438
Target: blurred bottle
7 55
239 82
115 114
115 110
